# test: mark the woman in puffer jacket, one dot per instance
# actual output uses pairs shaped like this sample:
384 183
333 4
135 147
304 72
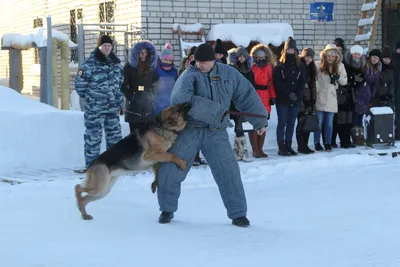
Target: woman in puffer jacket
240 59
263 62
167 74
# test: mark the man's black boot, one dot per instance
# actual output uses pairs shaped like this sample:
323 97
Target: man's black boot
166 217
241 222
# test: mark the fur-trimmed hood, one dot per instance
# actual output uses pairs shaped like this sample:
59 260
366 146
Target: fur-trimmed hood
135 50
331 47
268 53
234 53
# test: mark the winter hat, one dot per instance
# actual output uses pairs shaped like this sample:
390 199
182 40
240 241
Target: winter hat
331 49
167 53
260 53
241 51
104 39
290 43
219 47
375 52
191 51
356 49
204 52
340 43
387 52
308 52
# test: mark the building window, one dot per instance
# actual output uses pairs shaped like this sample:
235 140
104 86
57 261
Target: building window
38 22
74 16
106 15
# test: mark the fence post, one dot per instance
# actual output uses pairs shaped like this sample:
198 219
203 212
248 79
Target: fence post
49 63
43 77
81 54
15 63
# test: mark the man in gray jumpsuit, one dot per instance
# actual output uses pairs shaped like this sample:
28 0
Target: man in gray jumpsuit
210 87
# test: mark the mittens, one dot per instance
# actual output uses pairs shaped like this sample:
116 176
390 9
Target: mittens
293 97
272 101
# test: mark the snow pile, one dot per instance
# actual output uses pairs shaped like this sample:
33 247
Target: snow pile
381 110
38 136
187 28
243 34
369 6
37 36
367 21
40 37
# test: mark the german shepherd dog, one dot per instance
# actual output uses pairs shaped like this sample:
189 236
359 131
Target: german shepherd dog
144 148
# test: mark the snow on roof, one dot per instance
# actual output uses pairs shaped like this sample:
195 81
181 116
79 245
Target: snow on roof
243 34
187 46
40 37
37 36
188 27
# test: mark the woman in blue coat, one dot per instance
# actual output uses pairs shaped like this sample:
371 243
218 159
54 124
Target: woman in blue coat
167 75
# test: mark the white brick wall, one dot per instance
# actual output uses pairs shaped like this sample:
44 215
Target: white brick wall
157 17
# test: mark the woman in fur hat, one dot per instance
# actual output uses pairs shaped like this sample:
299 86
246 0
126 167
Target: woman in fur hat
354 63
330 74
140 84
289 81
240 59
364 94
309 98
263 62
385 92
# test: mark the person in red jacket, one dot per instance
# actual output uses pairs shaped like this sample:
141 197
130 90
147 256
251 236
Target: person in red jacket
264 61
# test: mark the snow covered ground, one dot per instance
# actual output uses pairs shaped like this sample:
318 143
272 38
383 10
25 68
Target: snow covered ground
334 209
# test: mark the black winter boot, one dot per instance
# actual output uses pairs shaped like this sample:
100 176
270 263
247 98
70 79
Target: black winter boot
282 149
241 222
290 149
318 147
165 217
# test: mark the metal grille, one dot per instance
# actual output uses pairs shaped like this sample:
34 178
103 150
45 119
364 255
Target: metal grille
107 15
38 22
75 15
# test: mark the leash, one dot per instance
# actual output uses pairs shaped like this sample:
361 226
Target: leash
238 113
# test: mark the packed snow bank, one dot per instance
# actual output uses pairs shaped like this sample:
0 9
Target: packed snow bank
243 34
38 36
38 136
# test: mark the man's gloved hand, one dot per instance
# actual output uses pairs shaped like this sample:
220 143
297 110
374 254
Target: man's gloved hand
272 101
334 78
359 78
293 97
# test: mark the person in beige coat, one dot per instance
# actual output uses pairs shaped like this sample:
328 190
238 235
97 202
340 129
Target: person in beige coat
330 73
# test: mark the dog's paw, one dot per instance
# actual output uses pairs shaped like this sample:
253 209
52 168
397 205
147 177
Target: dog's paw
87 217
182 164
153 187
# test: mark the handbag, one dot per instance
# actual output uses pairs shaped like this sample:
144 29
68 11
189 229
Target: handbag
342 96
309 123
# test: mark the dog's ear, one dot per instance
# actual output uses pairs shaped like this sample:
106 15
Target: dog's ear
165 114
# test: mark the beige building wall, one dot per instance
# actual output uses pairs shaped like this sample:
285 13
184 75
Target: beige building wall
157 16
